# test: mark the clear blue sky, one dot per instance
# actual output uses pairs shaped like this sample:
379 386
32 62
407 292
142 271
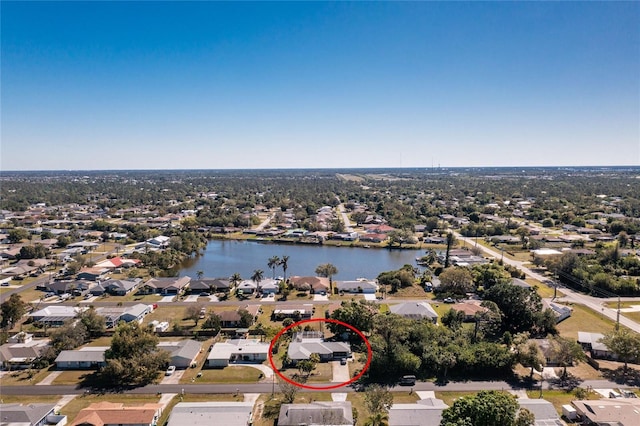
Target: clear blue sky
167 85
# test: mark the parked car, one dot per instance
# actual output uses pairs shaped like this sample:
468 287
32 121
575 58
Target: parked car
204 294
343 361
170 370
408 380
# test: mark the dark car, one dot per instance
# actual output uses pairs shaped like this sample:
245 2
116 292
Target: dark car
408 380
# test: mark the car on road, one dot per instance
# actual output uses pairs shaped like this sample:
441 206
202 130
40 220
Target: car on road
408 380
449 300
170 370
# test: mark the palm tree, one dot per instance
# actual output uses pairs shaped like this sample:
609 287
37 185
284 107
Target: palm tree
257 276
284 263
450 240
378 419
327 270
199 275
273 263
235 279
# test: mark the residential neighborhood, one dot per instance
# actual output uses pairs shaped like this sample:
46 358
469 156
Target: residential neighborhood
513 307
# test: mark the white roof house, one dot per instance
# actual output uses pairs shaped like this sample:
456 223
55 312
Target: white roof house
415 310
425 412
211 413
56 315
237 350
303 344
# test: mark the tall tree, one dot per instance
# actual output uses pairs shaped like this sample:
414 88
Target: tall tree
12 310
451 239
456 280
94 323
486 408
193 313
235 279
273 263
377 399
284 262
257 277
327 270
624 343
566 352
133 358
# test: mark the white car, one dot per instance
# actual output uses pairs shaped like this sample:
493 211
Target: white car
170 370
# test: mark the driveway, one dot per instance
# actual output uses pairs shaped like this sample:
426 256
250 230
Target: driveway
267 371
368 296
320 298
192 299
340 372
166 299
213 298
173 379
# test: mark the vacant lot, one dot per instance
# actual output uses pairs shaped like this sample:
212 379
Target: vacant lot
227 375
584 319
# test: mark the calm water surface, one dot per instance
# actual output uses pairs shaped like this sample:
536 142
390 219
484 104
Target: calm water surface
224 258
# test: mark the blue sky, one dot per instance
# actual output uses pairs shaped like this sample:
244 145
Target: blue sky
120 85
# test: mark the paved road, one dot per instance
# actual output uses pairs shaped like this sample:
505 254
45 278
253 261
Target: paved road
268 387
572 296
348 225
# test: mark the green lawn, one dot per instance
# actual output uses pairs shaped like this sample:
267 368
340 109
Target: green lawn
71 377
322 373
21 377
584 319
227 375
558 397
27 399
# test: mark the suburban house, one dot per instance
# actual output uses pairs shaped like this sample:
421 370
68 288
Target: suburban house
313 284
269 286
165 286
71 287
89 358
316 413
93 274
31 415
469 309
544 411
158 242
20 351
415 311
120 287
211 413
358 286
425 412
286 310
114 314
618 411
229 319
591 342
118 262
305 343
562 312
210 285
109 413
55 315
247 287
236 351
183 353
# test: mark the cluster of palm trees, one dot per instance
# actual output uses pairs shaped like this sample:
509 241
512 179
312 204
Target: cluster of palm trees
275 261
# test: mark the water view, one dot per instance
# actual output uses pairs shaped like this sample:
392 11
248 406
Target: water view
224 258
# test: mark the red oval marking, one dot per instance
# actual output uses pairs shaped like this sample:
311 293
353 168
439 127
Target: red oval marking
339 385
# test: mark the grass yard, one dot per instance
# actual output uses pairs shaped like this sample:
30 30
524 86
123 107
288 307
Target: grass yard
413 292
21 377
584 319
72 409
227 375
71 377
450 397
322 373
191 373
357 402
27 399
558 397
544 290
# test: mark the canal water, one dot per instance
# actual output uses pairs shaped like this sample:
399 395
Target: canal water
223 258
